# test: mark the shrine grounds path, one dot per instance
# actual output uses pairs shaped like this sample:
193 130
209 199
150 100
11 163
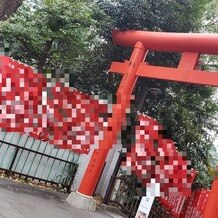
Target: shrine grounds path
18 200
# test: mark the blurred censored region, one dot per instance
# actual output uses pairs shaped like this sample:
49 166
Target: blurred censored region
70 119
62 115
160 169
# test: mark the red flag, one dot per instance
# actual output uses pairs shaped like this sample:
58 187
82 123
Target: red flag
160 168
62 115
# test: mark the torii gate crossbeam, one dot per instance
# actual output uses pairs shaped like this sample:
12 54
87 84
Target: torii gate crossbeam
191 45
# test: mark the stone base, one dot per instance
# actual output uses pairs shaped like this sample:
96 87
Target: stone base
81 201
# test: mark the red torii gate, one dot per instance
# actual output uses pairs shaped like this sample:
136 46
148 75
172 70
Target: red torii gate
191 45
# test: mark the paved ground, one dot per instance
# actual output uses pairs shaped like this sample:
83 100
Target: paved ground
19 200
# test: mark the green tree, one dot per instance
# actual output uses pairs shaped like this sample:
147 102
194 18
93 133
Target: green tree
49 34
209 24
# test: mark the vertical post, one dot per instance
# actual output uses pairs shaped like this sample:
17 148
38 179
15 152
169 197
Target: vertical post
109 190
124 91
13 160
211 210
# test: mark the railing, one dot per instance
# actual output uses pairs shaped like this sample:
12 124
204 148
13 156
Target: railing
37 160
124 195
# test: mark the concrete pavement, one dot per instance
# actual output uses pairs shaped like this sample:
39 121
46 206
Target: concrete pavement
18 200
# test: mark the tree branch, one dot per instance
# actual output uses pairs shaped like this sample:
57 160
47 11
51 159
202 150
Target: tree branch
28 48
45 52
213 65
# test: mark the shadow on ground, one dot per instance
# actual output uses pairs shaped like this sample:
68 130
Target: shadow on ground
18 200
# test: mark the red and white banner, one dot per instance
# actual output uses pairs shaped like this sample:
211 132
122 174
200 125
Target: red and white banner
196 204
62 115
175 205
155 161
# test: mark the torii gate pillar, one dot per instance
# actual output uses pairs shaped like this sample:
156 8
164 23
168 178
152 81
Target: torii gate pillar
190 45
211 210
82 198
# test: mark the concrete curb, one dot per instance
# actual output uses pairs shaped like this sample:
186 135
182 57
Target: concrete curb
81 201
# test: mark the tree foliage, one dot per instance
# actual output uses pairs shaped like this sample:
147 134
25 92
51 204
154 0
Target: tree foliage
210 25
49 33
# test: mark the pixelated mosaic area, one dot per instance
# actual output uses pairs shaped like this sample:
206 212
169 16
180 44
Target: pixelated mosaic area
156 162
70 119
62 115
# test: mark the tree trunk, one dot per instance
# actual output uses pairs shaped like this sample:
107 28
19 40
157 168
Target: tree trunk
40 65
8 7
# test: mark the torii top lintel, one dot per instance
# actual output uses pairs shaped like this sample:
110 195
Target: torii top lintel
172 42
191 45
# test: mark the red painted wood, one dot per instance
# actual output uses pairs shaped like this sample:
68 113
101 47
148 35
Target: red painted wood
94 169
173 42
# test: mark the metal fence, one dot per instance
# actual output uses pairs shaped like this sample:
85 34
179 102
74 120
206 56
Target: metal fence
23 155
124 194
